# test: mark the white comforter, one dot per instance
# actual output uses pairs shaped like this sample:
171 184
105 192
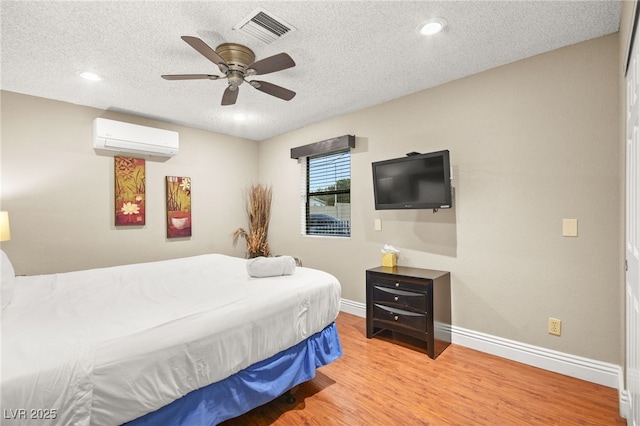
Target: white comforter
105 346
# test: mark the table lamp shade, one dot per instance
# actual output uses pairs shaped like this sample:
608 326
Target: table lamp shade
5 231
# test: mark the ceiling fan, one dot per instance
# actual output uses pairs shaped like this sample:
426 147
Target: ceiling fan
237 62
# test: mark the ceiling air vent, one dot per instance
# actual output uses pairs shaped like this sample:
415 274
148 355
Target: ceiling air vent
264 26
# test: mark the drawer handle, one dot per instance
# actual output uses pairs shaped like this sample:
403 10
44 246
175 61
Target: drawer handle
395 318
395 298
397 284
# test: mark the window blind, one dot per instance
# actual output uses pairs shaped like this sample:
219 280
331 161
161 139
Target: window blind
327 209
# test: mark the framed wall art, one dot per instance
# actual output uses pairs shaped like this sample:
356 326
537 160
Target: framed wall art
178 207
129 191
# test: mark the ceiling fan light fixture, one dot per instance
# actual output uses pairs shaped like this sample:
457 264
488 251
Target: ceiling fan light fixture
432 26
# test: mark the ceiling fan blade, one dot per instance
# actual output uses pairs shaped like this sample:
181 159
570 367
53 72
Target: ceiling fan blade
273 90
190 77
230 95
278 62
206 51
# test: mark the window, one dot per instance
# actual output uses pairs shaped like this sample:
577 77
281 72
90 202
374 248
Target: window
327 194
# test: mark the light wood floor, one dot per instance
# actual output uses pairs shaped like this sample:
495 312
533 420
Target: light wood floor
379 382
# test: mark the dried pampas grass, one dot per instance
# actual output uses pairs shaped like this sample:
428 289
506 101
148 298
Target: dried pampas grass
259 212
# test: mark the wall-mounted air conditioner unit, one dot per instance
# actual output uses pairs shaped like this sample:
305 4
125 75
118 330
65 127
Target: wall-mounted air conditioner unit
130 138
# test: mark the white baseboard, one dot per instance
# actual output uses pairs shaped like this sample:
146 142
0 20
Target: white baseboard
353 308
590 370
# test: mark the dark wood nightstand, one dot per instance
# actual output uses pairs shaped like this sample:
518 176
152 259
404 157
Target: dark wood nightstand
412 301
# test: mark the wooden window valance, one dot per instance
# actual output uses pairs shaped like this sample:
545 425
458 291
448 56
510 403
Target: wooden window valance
324 147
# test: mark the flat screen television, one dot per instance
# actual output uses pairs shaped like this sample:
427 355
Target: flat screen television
418 181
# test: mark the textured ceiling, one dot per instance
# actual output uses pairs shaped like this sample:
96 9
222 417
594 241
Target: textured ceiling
349 55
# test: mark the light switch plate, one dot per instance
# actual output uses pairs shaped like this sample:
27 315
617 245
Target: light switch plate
569 227
377 225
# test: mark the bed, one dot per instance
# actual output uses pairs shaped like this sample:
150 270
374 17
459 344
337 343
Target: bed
186 341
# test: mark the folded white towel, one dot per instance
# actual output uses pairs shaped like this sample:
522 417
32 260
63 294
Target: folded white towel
260 267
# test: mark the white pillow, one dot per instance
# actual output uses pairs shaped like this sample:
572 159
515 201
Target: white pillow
261 267
8 277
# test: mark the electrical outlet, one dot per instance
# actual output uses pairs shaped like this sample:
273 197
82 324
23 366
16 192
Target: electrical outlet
555 326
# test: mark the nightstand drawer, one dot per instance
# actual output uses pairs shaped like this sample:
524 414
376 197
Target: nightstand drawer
406 284
401 297
415 320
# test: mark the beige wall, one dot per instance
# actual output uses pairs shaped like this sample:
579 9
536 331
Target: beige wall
59 192
531 143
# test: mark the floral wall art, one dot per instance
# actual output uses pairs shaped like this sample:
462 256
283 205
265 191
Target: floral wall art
178 207
129 191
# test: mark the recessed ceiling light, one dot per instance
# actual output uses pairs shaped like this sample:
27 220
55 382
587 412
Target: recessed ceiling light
90 76
432 26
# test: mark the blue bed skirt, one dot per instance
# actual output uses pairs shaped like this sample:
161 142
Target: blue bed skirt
254 386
